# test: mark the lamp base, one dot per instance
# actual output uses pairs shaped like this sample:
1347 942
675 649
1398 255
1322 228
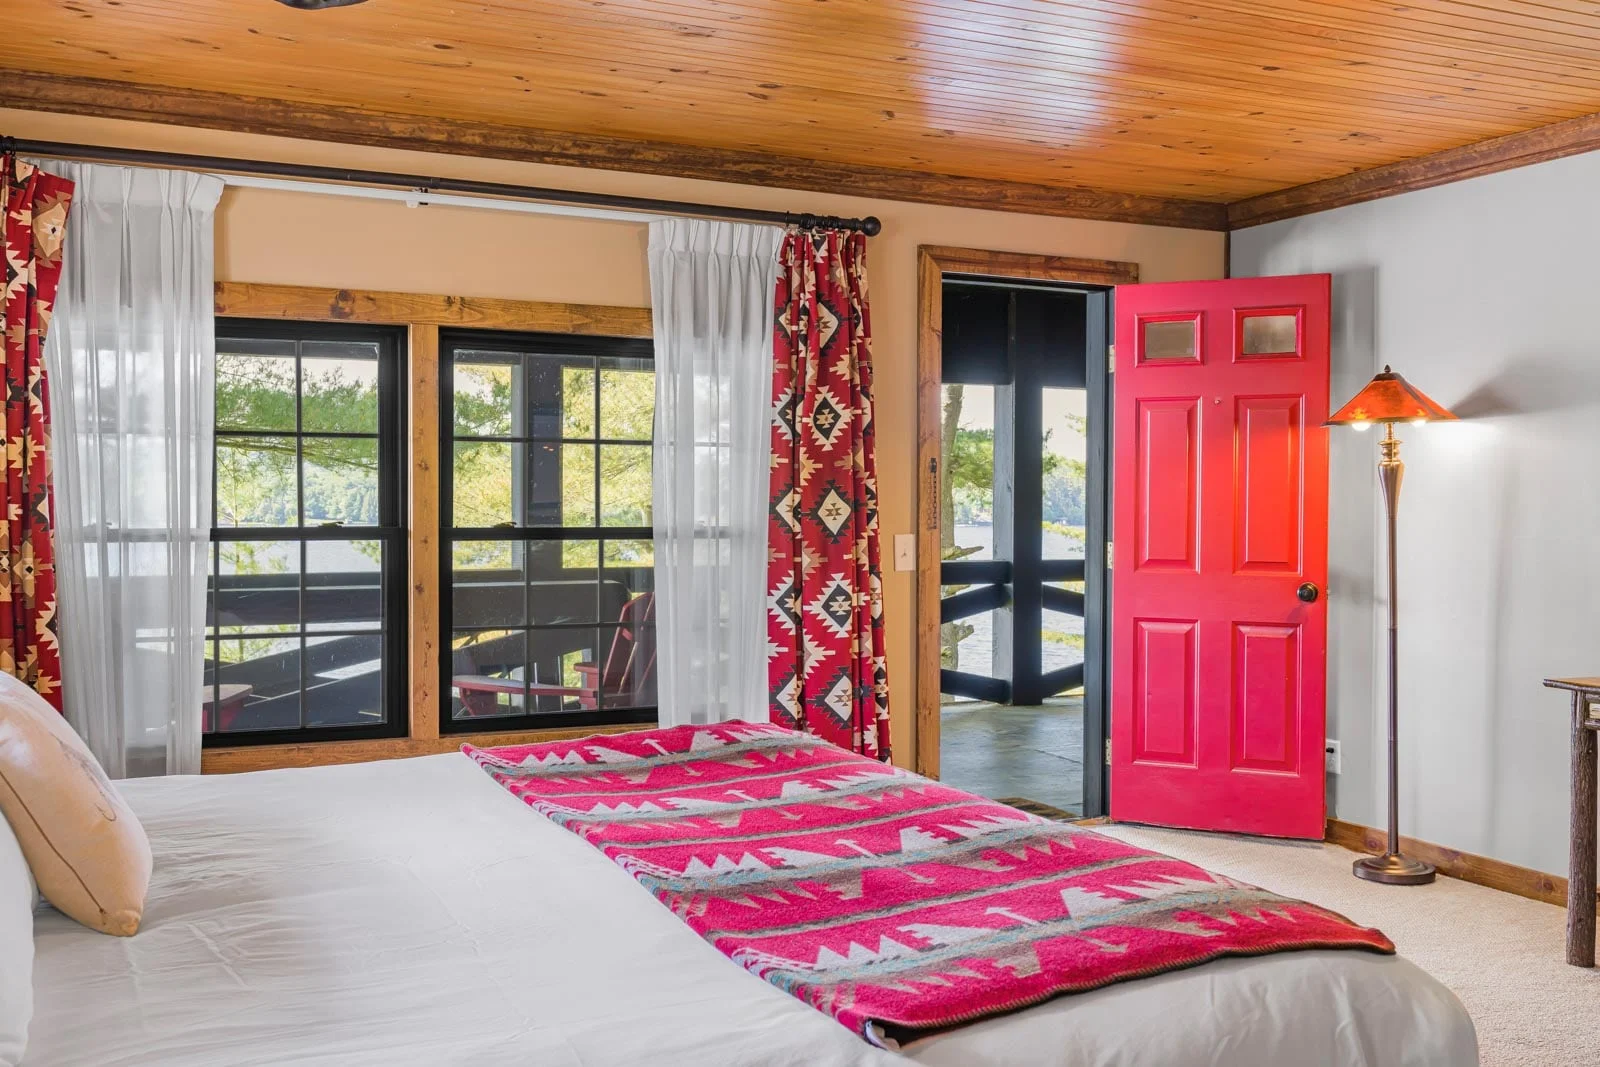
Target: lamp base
1393 869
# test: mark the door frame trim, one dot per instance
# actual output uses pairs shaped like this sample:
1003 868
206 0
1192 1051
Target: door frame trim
933 263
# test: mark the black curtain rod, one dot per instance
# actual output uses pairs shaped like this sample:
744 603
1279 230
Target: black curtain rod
421 183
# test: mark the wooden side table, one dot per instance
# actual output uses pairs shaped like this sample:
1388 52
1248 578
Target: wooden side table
1581 872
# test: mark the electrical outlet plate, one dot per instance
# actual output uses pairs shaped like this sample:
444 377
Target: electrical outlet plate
1330 757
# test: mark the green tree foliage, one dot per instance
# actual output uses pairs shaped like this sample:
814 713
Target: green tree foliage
484 471
970 466
256 483
967 498
256 474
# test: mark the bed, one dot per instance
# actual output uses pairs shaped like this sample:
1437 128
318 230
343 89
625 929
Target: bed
413 912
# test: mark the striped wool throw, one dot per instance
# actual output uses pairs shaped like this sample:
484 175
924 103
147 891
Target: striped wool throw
895 904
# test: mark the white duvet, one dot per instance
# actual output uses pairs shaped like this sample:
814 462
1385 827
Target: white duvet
413 912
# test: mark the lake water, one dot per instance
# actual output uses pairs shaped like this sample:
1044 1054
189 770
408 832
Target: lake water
976 654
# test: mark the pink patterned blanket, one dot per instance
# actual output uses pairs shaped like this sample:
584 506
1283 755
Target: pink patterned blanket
893 903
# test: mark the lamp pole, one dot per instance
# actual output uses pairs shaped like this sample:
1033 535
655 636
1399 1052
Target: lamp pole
1392 868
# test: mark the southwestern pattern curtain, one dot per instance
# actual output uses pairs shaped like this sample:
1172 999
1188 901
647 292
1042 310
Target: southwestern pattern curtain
825 667
35 225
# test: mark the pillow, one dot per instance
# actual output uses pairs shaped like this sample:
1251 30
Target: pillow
86 848
16 948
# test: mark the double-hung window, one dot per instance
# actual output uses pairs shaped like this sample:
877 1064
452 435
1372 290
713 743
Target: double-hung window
306 618
545 505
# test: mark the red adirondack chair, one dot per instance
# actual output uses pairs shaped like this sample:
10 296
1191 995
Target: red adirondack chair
628 675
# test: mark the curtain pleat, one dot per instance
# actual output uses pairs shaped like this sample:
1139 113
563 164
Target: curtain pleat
711 286
36 204
826 671
132 354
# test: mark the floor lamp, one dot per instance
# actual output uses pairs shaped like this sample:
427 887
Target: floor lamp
1389 399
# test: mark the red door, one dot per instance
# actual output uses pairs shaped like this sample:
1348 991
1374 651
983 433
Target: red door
1220 555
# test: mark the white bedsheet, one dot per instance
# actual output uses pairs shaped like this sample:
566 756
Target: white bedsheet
413 912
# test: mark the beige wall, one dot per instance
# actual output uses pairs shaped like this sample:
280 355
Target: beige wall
305 239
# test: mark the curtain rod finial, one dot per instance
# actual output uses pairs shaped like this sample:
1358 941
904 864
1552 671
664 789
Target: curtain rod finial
871 226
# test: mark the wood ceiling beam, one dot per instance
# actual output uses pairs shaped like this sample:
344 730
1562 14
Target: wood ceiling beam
258 115
34 91
1555 141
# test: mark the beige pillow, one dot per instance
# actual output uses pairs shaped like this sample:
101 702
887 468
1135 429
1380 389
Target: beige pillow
86 848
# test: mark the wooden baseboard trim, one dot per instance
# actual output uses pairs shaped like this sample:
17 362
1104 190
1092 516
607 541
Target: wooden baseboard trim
1480 870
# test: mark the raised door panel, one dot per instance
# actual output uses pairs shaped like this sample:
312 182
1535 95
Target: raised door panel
1265 726
1168 495
1165 691
1267 486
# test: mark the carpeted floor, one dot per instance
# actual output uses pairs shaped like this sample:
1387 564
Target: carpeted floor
1502 955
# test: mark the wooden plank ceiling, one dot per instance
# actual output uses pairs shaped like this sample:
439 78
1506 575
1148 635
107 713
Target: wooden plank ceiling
1214 101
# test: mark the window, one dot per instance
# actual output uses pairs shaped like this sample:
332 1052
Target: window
548 559
306 620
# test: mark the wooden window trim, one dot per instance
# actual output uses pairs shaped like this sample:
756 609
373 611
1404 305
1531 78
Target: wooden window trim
251 300
933 263
422 314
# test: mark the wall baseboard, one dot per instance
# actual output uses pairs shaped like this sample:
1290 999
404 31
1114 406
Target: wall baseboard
1480 870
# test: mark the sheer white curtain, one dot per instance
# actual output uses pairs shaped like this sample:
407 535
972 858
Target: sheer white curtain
131 355
712 287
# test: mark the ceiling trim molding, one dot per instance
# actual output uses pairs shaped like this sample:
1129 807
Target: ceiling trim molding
33 91
1569 138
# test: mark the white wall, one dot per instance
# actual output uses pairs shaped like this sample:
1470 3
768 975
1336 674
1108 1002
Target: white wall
1485 294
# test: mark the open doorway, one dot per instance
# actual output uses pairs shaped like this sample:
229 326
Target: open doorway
1011 650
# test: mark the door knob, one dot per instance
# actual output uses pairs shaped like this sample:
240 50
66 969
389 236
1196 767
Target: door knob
1307 592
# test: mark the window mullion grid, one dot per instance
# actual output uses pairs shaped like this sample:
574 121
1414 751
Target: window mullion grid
526 496
388 531
300 511
216 590
599 546
527 536
216 628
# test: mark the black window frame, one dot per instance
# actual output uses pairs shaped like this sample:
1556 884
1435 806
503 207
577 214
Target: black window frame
392 530
452 341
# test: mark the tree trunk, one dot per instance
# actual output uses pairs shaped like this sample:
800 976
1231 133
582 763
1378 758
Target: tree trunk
951 634
953 397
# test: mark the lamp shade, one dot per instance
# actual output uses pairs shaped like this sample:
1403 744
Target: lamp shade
1389 398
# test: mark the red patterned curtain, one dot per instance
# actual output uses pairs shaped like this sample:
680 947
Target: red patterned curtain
825 672
35 229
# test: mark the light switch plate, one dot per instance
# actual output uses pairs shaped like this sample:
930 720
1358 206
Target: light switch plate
905 552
